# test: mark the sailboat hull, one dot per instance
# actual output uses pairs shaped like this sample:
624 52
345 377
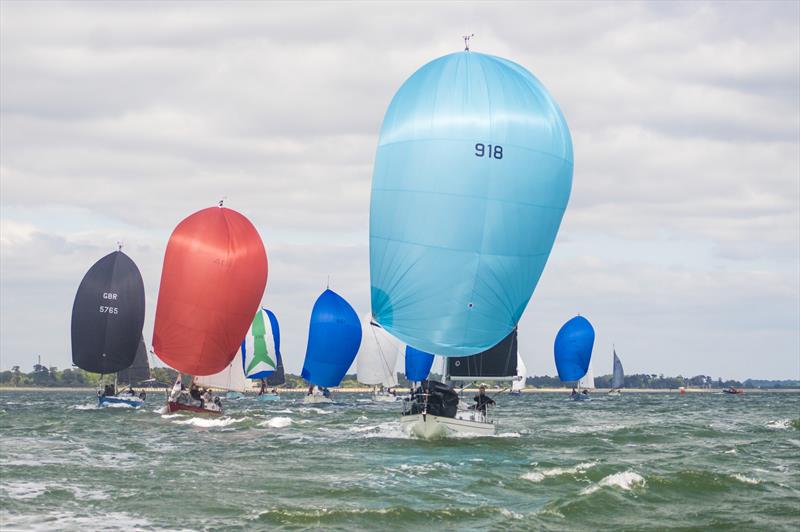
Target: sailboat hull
384 398
429 427
179 408
114 400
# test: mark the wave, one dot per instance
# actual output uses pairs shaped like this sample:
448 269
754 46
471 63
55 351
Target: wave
538 476
780 424
389 430
744 479
208 423
626 480
277 422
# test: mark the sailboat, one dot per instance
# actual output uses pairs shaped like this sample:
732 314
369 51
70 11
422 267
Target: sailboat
618 377
107 321
334 337
231 379
472 176
214 275
376 359
522 374
261 350
573 352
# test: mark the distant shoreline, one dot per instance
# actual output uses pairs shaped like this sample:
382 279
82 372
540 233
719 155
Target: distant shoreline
598 391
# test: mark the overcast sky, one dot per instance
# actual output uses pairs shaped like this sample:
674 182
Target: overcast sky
681 241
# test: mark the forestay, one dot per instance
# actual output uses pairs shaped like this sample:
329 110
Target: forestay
377 356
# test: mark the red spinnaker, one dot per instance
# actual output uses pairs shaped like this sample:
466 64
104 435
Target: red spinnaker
215 272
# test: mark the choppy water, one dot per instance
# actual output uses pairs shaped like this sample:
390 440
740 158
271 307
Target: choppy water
633 462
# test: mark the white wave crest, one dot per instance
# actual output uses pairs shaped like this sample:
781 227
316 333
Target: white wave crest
92 406
626 480
311 409
746 480
538 476
208 423
389 430
779 424
277 422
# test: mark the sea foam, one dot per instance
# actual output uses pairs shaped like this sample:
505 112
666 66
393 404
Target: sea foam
626 480
538 476
277 422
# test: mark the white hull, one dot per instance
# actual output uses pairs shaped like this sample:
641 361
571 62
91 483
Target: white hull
614 393
316 399
430 427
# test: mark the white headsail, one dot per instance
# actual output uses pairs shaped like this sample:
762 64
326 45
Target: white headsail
231 378
377 355
522 374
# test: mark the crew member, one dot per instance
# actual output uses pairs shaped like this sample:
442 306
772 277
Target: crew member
482 400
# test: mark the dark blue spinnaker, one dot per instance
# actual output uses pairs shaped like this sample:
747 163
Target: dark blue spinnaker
573 349
334 337
418 364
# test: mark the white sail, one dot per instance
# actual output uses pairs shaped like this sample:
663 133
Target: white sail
522 374
377 355
587 381
231 378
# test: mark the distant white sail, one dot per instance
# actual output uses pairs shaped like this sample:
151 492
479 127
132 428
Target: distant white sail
618 380
231 378
377 355
587 381
522 374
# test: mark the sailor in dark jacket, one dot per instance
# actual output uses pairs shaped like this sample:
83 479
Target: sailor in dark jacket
482 400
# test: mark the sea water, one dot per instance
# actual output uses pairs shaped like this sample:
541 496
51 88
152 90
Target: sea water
639 461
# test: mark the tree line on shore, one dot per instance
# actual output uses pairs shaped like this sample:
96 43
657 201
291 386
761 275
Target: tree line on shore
73 377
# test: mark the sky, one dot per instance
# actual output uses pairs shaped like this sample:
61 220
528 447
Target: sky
681 241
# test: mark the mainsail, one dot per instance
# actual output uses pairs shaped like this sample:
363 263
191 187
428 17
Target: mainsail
618 379
231 378
261 348
215 271
587 381
139 370
522 375
377 356
472 176
333 339
573 349
108 315
418 364
497 363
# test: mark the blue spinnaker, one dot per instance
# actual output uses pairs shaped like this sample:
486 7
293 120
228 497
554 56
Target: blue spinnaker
573 349
418 364
472 175
333 340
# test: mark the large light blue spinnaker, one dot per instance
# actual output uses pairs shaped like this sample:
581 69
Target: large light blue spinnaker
472 175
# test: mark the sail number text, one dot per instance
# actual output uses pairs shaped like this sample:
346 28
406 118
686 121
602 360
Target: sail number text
108 310
488 150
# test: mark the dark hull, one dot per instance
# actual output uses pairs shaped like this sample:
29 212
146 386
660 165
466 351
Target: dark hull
173 407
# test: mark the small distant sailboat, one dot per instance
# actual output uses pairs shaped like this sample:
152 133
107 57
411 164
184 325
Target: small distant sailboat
214 274
107 321
618 377
376 360
334 337
573 352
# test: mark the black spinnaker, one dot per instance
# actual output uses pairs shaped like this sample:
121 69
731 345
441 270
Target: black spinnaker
108 315
498 362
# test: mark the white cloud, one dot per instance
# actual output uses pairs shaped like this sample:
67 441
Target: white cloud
683 232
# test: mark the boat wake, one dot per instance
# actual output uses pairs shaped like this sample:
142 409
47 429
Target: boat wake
389 430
